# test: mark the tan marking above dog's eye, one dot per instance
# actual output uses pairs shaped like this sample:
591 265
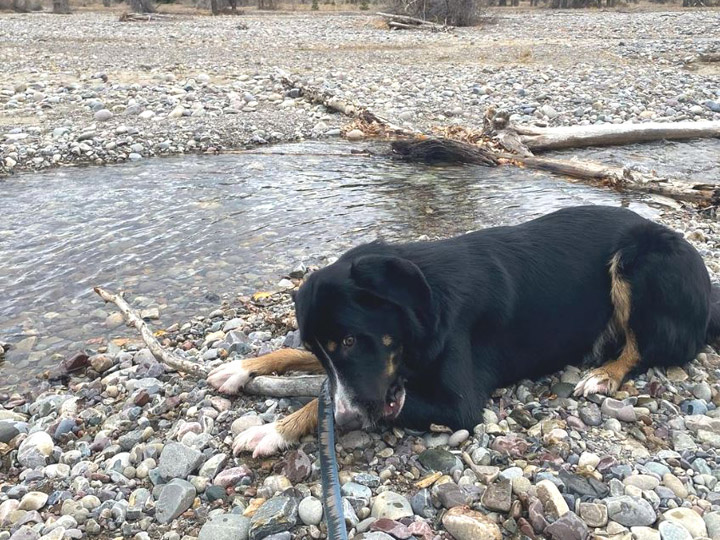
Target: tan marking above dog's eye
391 366
387 340
331 346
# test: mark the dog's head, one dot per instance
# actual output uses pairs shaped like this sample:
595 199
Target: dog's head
361 316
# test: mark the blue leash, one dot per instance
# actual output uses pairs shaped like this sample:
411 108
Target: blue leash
332 499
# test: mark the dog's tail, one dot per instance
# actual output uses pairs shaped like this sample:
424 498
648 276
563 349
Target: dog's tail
713 329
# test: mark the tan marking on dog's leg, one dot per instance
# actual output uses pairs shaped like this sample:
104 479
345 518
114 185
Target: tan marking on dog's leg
232 377
271 438
282 361
387 340
299 423
608 378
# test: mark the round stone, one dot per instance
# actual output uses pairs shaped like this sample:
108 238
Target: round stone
310 511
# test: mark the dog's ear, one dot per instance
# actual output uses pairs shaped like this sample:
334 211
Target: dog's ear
398 281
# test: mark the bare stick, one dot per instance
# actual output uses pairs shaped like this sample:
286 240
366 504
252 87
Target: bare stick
133 319
297 386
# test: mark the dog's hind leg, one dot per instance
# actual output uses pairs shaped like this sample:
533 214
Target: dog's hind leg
271 438
232 377
608 378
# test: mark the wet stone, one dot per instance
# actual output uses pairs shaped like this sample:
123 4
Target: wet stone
391 505
688 519
498 496
450 495
297 466
225 527
393 528
582 486
673 531
437 459
310 511
8 431
275 515
552 501
178 460
465 524
176 497
630 511
568 527
590 414
594 515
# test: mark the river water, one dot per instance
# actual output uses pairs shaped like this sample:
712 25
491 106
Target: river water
182 233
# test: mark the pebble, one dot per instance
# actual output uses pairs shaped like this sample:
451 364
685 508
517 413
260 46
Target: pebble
176 497
688 519
465 524
672 531
225 527
553 502
630 511
310 511
274 516
178 461
391 505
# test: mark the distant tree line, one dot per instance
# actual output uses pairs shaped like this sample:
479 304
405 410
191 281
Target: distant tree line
452 12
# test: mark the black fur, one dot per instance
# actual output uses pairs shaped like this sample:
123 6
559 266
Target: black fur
486 309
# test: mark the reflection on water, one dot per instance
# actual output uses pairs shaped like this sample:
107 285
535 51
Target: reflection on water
184 231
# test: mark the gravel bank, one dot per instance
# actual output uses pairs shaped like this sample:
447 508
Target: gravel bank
114 445
101 91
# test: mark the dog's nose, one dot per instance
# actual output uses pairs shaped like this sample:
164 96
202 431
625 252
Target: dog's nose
346 416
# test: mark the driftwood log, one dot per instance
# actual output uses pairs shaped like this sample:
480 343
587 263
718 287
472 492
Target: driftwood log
293 386
403 22
709 57
559 138
501 141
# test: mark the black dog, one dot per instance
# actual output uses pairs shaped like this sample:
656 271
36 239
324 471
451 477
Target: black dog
422 333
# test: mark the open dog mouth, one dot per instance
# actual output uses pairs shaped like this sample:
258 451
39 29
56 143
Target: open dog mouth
394 400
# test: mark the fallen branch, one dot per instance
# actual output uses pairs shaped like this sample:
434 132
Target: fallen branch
557 138
133 319
142 17
405 22
466 146
366 120
295 386
709 57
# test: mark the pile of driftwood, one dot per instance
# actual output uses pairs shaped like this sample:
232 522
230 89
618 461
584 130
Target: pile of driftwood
500 141
403 22
142 17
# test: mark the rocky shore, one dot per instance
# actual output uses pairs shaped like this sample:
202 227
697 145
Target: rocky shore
100 91
114 445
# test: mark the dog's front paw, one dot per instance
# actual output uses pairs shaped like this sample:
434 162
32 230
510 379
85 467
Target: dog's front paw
263 440
597 381
229 378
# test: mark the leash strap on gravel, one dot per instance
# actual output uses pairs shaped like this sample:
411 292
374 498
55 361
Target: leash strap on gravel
332 500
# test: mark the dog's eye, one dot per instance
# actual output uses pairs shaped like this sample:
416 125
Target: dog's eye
348 341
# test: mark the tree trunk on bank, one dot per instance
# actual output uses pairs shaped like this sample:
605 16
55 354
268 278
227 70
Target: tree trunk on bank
61 7
142 6
559 138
